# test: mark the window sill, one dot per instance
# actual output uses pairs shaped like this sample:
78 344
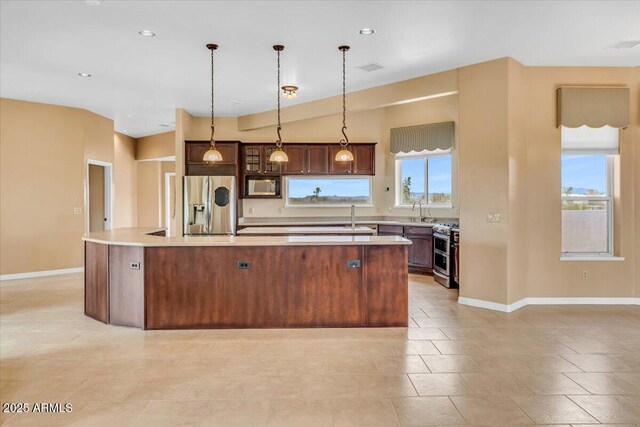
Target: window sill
424 207
591 258
326 206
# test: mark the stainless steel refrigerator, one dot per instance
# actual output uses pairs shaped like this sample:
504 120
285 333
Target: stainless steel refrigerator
209 205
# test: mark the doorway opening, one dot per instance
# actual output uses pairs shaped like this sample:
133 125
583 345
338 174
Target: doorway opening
98 200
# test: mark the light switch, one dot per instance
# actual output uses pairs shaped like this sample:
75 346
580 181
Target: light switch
77 211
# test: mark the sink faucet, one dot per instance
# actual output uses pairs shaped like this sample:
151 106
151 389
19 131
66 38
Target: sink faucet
353 217
413 208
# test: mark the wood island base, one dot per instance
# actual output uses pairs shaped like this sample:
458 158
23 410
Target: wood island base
185 287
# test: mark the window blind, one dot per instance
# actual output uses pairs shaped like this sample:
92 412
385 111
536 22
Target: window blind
593 106
587 140
430 137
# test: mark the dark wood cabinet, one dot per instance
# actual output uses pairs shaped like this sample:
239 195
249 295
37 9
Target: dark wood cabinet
195 152
296 164
317 159
364 159
421 250
256 160
336 167
390 230
307 159
195 165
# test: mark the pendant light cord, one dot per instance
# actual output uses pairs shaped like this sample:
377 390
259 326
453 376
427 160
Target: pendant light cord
344 142
213 127
279 128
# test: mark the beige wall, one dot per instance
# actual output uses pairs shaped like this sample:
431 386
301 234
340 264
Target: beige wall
149 194
365 126
43 152
548 276
155 146
125 175
483 180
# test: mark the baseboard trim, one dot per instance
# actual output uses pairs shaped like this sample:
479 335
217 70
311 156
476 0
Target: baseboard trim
44 273
508 308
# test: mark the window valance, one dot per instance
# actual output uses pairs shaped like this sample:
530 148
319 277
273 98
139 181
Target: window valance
593 106
429 137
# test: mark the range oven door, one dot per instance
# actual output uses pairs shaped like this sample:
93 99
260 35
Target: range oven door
441 263
441 250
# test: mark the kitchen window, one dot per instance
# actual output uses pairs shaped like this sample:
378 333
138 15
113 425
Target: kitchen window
587 191
321 191
426 178
587 204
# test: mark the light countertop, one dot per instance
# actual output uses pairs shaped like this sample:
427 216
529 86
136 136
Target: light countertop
324 230
141 237
326 221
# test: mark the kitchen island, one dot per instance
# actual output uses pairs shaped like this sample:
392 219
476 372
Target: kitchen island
134 277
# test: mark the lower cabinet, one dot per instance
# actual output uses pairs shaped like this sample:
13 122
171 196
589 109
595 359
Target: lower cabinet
421 250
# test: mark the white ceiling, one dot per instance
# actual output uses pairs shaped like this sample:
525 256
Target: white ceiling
140 81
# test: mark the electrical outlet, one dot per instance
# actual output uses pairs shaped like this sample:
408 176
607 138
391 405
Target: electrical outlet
456 210
353 263
134 265
244 265
77 211
585 275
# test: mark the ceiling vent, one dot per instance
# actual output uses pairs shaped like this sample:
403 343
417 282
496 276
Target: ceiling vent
624 44
370 67
164 125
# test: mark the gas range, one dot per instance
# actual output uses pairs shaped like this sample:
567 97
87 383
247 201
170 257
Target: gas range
445 228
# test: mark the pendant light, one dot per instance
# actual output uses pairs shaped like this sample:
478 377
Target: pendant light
278 155
345 154
212 155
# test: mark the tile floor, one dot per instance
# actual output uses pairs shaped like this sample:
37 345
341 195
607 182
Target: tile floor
455 365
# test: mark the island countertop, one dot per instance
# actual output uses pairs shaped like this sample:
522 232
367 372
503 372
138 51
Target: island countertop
142 237
307 230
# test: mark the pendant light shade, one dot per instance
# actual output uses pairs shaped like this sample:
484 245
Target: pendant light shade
278 155
344 154
212 155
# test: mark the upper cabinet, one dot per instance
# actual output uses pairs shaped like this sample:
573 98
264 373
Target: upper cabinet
296 164
195 165
317 159
256 160
308 159
364 160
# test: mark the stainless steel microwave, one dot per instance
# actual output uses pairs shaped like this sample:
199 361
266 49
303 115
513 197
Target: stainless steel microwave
262 186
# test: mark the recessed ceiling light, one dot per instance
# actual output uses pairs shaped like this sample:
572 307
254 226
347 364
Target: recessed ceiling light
147 33
367 31
624 44
125 131
84 74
